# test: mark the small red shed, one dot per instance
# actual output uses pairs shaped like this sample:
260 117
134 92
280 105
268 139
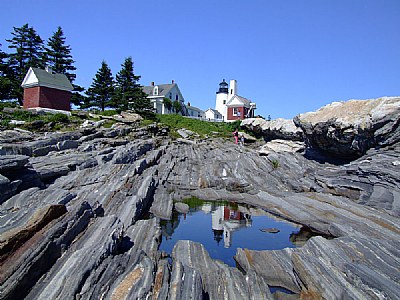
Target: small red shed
239 108
45 89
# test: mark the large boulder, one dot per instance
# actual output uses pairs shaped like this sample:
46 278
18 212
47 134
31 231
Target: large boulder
127 117
349 129
280 146
275 129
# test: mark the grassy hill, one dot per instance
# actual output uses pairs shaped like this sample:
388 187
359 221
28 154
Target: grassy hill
52 122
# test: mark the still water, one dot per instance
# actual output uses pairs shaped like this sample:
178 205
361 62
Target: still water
222 227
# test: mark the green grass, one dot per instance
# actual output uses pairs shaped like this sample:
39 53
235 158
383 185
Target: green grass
175 122
109 112
194 202
59 121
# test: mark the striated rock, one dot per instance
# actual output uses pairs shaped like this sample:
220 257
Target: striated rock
15 149
351 268
186 133
219 280
185 282
103 244
162 204
12 162
372 180
8 188
105 234
18 175
16 135
349 129
68 144
14 238
21 270
274 267
281 146
275 129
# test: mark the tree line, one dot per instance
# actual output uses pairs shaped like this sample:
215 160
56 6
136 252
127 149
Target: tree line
27 49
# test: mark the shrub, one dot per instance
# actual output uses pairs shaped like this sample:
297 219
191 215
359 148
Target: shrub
275 164
7 104
58 118
109 112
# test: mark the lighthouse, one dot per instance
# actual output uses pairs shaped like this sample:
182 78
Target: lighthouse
222 99
230 105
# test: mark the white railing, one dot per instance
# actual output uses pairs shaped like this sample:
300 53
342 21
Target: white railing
205 119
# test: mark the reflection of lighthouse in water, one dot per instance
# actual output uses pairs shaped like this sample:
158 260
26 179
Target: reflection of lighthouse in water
226 220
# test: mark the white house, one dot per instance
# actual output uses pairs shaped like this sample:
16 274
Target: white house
157 93
194 112
232 106
212 114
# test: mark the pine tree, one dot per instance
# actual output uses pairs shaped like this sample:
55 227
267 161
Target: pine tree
101 91
129 92
58 55
28 53
5 82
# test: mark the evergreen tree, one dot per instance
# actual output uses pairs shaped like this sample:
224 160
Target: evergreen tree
129 91
5 82
77 97
28 53
101 91
58 55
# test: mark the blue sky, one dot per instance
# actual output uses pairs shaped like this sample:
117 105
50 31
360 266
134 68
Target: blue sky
288 56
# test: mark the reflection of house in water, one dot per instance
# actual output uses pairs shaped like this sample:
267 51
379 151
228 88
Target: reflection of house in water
226 220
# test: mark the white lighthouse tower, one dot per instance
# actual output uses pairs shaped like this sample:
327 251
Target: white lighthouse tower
222 99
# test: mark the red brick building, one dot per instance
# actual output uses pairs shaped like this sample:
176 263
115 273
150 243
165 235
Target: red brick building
45 89
239 108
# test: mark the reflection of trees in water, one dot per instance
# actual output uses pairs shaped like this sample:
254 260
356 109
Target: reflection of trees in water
168 226
305 233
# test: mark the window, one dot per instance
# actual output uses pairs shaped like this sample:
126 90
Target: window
170 96
235 111
231 91
224 101
155 91
176 97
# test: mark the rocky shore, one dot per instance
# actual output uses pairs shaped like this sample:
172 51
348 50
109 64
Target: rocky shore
75 224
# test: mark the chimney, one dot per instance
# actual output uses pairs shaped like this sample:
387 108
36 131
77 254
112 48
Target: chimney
233 87
49 69
173 81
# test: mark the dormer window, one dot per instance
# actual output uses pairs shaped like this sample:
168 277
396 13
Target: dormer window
155 91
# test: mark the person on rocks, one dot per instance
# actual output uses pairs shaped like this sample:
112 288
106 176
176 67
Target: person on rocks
236 136
241 139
